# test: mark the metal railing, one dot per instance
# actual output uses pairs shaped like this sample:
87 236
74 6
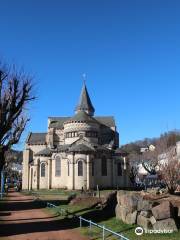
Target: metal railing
104 229
61 211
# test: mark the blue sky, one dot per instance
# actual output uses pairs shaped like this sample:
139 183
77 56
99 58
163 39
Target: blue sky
129 50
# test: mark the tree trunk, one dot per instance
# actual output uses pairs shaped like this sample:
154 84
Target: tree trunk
2 158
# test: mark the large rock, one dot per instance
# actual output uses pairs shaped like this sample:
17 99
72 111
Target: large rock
121 212
144 205
131 218
125 215
121 193
166 224
146 214
162 211
129 201
152 220
144 222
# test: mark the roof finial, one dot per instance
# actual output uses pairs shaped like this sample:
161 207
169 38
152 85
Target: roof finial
84 78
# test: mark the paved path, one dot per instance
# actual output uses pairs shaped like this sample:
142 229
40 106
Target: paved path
22 218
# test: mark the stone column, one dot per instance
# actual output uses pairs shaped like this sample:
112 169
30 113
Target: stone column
73 171
49 172
88 172
25 172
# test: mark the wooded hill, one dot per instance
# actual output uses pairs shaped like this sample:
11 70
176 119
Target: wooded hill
134 147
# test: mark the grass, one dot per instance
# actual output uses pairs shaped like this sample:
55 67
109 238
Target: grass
50 194
100 217
113 224
126 230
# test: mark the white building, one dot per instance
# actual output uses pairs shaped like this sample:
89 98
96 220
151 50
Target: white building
76 152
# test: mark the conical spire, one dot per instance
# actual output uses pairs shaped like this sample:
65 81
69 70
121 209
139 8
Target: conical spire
85 102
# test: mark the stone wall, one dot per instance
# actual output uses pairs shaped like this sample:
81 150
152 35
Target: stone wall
133 208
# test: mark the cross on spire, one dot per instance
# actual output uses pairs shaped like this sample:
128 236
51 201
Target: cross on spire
85 102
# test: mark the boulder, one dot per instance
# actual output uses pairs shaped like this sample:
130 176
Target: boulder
131 218
121 212
166 224
144 222
129 201
144 205
162 211
120 193
146 214
152 220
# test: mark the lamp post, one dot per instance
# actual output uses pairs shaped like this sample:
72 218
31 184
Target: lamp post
2 180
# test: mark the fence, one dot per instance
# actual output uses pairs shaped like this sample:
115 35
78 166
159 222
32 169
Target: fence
61 211
104 229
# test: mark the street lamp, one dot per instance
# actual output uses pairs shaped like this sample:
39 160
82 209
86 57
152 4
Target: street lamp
2 180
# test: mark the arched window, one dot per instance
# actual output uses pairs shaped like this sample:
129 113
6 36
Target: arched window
68 170
119 169
43 169
58 167
80 168
104 166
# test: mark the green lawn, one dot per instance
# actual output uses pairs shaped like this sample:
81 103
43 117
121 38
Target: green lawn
100 217
126 230
50 192
111 223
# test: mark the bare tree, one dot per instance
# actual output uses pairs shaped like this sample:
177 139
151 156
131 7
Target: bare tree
134 161
169 169
163 161
15 94
149 159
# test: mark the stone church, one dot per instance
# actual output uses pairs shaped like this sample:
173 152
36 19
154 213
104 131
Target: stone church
76 152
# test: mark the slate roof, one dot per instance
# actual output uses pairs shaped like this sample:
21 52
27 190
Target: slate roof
80 148
108 121
44 152
57 122
63 148
82 117
85 103
36 138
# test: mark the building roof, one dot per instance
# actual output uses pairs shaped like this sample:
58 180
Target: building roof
85 103
36 138
82 117
57 122
80 148
108 121
63 148
44 152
